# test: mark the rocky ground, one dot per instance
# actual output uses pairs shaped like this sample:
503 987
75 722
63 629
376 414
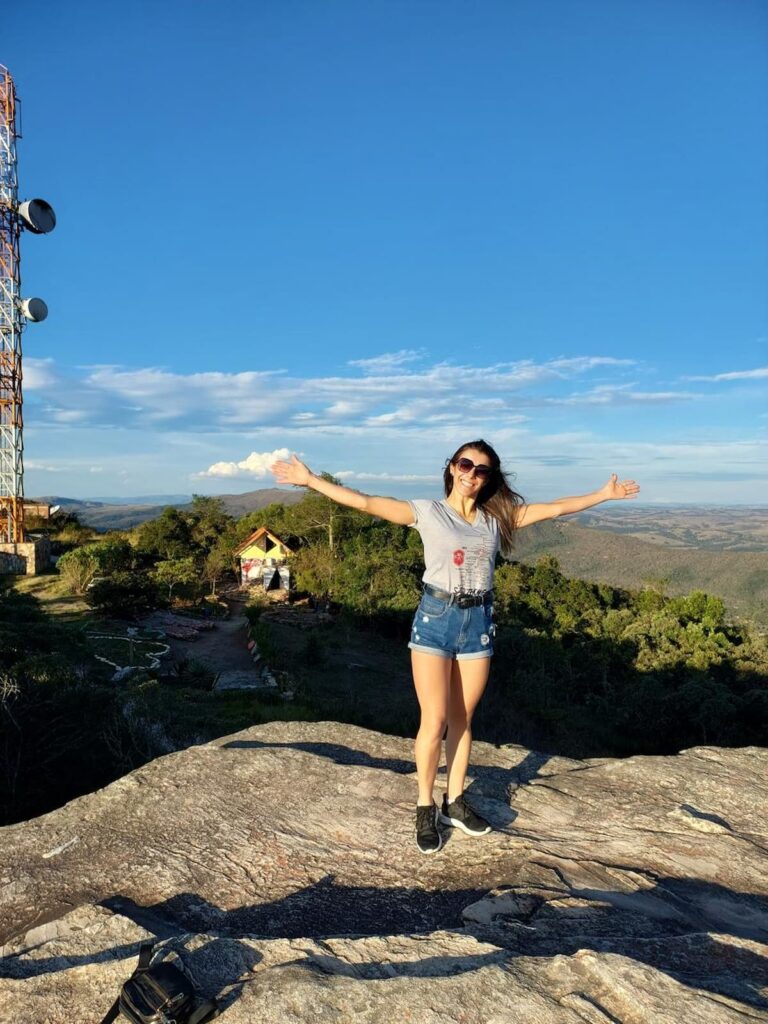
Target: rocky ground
279 865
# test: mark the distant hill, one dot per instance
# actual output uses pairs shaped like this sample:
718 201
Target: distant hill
740 578
132 512
715 527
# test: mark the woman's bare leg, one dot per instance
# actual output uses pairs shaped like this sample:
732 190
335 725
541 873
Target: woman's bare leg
467 684
432 679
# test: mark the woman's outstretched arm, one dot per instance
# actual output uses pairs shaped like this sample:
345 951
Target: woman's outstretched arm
295 472
613 490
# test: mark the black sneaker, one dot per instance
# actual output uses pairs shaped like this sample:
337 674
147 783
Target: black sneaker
428 839
460 814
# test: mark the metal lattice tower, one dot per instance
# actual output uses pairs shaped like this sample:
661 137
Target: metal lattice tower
11 323
38 217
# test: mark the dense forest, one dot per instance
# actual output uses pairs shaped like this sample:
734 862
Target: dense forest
581 669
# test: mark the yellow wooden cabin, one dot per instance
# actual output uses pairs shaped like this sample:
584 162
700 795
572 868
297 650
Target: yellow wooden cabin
263 558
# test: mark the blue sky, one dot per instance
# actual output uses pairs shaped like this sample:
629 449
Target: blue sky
368 232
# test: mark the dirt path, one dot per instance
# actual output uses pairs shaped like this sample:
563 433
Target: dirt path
223 648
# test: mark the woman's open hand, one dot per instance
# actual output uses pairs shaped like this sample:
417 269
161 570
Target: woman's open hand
293 472
620 489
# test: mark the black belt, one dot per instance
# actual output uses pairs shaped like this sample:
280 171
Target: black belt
461 600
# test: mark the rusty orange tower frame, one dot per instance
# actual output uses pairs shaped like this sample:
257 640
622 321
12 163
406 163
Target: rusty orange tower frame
11 419
38 217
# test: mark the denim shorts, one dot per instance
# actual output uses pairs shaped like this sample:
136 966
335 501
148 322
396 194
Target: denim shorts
452 632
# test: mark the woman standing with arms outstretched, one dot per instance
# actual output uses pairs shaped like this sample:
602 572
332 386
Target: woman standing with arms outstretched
452 636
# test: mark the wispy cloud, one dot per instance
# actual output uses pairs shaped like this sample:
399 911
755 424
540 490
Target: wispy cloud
392 423
389 361
348 474
761 373
39 374
622 394
381 393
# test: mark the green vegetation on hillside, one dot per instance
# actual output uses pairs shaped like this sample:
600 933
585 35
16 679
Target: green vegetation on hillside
740 577
584 669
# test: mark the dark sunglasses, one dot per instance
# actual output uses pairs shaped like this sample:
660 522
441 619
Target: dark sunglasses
465 465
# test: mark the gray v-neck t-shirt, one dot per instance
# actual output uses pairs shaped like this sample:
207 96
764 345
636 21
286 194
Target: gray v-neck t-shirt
459 556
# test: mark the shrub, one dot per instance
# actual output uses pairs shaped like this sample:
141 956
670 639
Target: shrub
124 595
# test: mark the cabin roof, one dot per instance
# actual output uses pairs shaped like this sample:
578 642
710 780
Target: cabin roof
257 535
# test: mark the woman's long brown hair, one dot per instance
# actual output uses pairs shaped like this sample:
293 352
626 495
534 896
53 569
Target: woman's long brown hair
496 498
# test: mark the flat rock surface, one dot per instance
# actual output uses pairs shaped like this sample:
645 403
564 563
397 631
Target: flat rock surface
279 863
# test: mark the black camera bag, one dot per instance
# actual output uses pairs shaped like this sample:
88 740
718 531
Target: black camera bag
159 993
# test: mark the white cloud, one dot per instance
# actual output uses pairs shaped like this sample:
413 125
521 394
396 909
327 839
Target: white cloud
349 474
759 374
69 415
389 361
621 394
379 394
403 418
257 464
39 374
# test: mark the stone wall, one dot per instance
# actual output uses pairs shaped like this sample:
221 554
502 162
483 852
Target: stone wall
29 558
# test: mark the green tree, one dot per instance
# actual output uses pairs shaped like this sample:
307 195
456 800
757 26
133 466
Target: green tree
275 516
314 569
176 572
166 537
208 521
316 516
78 568
220 561
123 594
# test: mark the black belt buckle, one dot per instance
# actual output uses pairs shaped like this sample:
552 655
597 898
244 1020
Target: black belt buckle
465 601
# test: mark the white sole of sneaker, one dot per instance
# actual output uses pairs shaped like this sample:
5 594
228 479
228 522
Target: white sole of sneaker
460 824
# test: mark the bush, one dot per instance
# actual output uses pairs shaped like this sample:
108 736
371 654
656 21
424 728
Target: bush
193 674
123 595
262 634
79 567
257 603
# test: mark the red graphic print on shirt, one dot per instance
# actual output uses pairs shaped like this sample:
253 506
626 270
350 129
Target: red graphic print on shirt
458 557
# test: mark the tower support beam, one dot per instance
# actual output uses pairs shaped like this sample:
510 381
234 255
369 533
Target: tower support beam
11 324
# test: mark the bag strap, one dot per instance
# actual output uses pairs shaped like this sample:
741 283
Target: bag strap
112 1013
145 955
205 1011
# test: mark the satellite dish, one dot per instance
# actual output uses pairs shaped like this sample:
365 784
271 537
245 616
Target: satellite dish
34 310
53 510
38 216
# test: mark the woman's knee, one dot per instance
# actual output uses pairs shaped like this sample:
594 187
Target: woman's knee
432 727
459 721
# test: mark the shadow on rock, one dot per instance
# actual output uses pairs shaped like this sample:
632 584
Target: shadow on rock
681 927
322 910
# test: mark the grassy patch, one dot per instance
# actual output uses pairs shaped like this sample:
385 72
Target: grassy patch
124 651
55 598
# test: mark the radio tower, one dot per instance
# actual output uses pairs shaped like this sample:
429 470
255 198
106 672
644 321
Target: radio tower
37 216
